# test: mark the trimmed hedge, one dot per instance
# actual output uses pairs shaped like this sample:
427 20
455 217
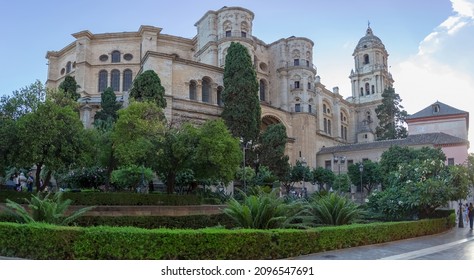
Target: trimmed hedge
47 242
117 198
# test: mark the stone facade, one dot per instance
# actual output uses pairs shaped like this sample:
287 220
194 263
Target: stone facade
191 71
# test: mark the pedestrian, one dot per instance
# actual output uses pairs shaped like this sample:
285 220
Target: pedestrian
17 182
22 178
466 213
471 214
29 182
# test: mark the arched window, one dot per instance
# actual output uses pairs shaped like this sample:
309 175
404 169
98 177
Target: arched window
68 67
345 133
367 88
324 108
115 79
206 90
219 96
192 90
325 125
329 127
366 59
373 89
103 76
115 56
262 90
127 79
361 91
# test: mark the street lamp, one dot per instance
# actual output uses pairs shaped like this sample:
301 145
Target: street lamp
245 145
339 160
361 170
304 163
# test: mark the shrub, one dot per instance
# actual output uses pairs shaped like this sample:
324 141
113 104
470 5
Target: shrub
45 209
266 211
333 209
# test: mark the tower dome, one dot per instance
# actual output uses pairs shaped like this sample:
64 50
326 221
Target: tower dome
369 41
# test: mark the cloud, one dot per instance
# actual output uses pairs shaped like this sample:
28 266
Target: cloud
443 67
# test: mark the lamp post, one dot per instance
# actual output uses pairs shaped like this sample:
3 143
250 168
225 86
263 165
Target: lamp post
304 163
339 160
244 147
361 170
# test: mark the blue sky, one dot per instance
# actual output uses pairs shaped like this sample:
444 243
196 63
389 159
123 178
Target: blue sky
430 42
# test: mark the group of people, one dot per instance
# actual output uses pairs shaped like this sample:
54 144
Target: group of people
23 182
467 213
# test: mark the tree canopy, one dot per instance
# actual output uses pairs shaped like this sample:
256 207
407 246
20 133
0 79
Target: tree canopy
147 87
242 110
109 107
271 150
391 116
69 87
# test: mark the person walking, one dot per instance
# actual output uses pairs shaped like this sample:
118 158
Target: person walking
470 214
22 180
29 182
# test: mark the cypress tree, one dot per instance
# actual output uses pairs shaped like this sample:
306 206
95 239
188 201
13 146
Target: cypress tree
391 116
147 87
70 86
242 110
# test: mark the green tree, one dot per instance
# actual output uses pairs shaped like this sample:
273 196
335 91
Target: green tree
297 173
217 156
391 116
176 153
271 150
322 177
51 136
62 99
109 107
342 183
69 87
147 87
23 101
335 210
137 134
242 110
8 140
371 175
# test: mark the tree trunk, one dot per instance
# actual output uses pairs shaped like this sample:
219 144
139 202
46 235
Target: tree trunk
170 182
38 177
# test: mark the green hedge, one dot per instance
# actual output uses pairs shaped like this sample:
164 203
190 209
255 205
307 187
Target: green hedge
117 198
40 241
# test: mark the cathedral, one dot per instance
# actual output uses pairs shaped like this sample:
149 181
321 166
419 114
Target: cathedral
191 71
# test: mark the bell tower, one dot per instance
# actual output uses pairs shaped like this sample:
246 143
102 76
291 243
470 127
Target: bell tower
369 78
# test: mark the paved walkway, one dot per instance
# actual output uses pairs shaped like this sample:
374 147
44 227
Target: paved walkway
455 244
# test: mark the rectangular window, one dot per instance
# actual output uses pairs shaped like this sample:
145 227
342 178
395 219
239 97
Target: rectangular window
327 164
244 34
297 108
296 62
350 162
310 110
307 63
228 33
309 85
450 161
297 84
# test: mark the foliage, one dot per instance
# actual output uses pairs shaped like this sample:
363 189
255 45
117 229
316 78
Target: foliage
63 99
83 178
322 176
44 242
271 150
297 173
137 134
51 136
147 88
371 175
132 177
266 211
419 188
342 183
264 177
109 107
8 140
217 155
23 101
45 209
333 209
391 116
69 87
242 112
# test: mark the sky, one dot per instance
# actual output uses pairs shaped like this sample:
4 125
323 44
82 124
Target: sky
430 42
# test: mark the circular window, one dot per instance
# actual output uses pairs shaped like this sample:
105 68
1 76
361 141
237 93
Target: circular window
263 66
63 71
104 57
128 56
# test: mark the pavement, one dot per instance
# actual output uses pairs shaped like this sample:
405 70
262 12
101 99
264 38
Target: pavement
454 244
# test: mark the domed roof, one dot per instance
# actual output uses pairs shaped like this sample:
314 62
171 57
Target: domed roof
369 41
